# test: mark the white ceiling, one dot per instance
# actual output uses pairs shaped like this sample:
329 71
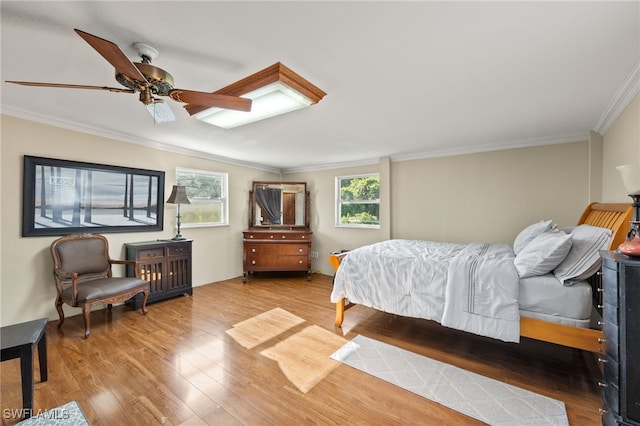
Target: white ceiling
403 79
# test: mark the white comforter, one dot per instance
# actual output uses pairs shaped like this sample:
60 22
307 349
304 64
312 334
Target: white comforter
470 287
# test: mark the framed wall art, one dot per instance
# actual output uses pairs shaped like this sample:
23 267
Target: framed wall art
62 197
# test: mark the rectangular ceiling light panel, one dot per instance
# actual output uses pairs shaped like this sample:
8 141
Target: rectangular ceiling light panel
274 91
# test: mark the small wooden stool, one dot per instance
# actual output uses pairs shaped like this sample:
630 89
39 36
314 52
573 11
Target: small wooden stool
19 341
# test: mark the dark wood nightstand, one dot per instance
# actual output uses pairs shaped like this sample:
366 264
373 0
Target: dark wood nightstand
621 320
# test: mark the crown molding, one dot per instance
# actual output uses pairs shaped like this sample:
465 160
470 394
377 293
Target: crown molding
124 137
525 143
628 90
289 170
331 166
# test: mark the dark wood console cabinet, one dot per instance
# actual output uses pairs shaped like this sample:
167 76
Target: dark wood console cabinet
165 264
621 327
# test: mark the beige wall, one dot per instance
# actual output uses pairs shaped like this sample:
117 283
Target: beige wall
26 275
490 196
621 146
478 197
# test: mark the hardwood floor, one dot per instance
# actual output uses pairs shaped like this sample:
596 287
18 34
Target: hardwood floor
179 366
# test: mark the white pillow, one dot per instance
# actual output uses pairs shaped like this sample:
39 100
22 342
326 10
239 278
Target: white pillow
543 254
529 233
584 258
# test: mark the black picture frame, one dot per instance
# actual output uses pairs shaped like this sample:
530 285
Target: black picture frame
89 197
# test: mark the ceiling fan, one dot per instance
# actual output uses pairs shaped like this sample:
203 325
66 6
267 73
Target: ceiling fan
149 80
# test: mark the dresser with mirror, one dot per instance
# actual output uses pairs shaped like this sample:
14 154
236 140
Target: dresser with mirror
278 237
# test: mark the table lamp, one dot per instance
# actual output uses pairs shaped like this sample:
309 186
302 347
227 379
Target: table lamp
178 196
631 179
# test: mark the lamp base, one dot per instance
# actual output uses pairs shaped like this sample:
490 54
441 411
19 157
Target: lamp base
178 238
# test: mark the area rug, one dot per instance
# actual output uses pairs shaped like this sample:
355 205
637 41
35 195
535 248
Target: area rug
485 399
303 357
69 414
263 327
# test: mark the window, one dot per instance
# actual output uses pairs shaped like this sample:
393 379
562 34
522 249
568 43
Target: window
207 192
358 201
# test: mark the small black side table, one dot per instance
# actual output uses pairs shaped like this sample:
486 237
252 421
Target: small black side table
19 341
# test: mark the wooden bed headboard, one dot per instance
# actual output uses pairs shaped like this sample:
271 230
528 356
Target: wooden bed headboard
615 216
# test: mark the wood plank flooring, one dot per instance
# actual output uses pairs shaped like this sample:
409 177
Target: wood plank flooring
178 365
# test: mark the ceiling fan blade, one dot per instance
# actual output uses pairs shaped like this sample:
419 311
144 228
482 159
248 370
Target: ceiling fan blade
210 100
116 57
70 86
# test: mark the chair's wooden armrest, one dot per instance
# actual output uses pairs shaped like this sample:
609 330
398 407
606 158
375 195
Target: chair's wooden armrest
134 263
66 275
123 262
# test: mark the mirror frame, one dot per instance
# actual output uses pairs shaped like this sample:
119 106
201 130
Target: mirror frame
279 184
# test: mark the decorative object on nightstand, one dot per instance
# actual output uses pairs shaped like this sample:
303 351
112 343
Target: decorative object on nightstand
178 196
631 178
278 238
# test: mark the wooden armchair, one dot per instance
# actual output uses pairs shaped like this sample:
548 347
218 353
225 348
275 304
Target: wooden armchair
83 276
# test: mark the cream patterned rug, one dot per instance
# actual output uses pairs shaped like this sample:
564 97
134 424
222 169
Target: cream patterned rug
485 399
69 414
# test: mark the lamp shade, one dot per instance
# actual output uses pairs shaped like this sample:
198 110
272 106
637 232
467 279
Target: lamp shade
178 195
630 178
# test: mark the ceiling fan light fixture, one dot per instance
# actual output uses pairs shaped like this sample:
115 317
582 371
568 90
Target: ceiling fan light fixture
160 112
274 91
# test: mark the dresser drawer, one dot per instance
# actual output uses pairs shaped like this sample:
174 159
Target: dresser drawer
610 396
276 236
610 286
611 370
277 249
610 314
611 340
154 253
179 250
608 417
282 263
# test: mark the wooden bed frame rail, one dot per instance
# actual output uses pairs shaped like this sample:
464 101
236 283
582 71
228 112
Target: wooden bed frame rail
615 216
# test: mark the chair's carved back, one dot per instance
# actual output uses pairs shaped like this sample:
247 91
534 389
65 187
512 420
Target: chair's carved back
86 254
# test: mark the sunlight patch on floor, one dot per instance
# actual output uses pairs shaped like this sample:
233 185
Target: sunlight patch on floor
263 327
304 356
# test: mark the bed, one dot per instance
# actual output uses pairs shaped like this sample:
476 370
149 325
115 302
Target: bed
543 286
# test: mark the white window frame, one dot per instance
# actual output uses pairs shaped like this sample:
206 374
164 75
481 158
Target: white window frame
223 200
339 202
